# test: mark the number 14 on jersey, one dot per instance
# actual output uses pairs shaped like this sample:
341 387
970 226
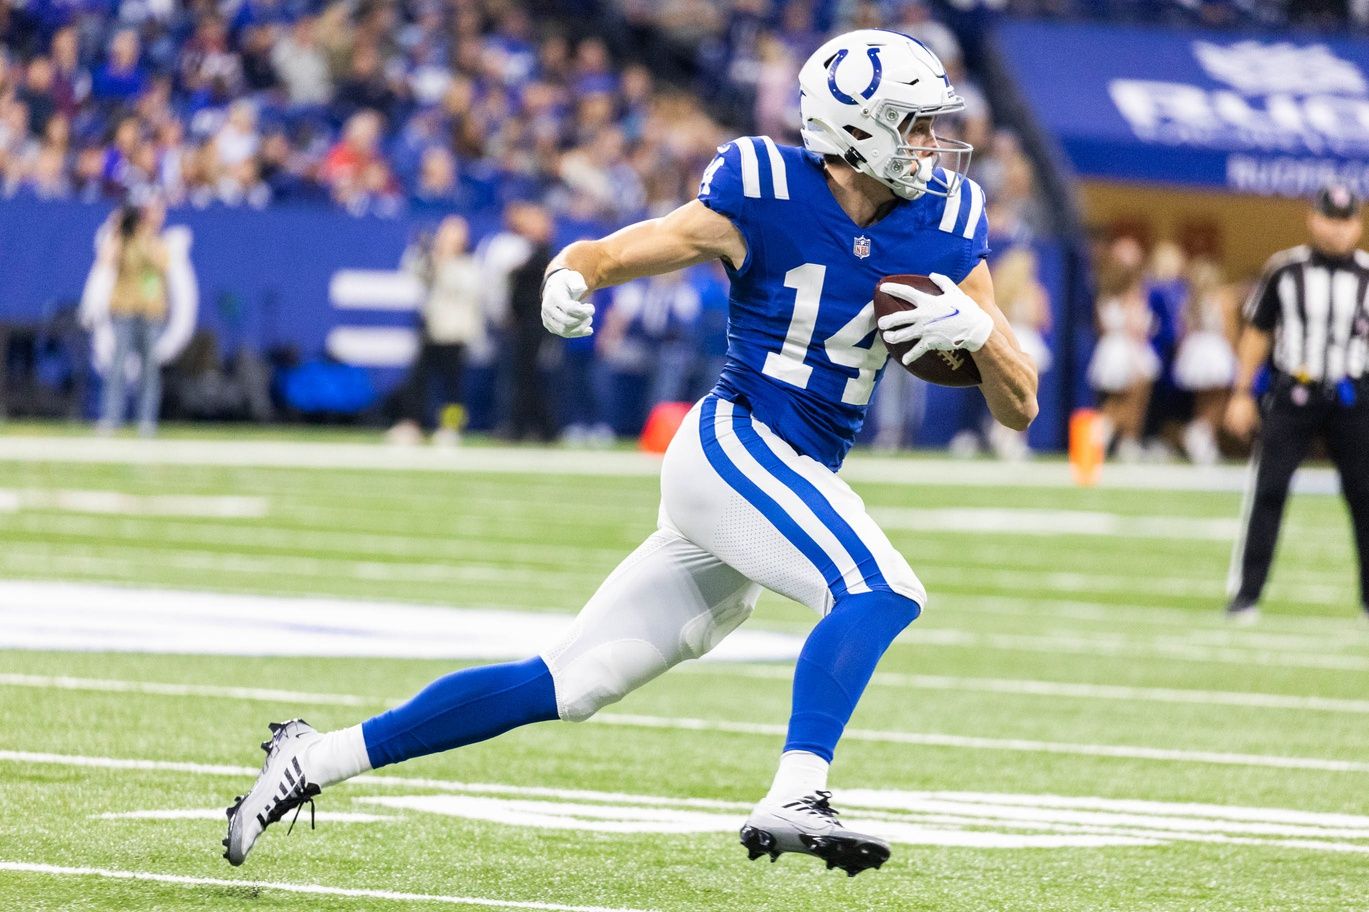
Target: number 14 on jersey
843 347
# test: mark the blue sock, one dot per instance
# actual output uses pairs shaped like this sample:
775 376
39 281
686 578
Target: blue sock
462 708
836 663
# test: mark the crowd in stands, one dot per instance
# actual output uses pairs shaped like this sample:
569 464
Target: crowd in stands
600 112
374 106
382 107
1327 15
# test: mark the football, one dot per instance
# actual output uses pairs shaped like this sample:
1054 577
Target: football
944 368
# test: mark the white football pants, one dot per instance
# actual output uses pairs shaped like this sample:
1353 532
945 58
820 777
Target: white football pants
740 509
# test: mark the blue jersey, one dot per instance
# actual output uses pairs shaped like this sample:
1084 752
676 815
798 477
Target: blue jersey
802 351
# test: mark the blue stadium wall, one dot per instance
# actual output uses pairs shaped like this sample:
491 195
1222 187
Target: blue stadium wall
264 280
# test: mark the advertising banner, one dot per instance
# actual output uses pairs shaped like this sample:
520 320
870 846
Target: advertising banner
1260 115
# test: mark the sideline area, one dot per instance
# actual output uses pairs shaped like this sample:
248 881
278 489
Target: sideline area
913 470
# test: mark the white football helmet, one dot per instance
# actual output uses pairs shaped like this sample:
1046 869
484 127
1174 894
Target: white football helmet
860 94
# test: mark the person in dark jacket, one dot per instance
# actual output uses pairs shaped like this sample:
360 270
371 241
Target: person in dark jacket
531 416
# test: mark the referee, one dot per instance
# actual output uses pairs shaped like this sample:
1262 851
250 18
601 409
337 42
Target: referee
1310 311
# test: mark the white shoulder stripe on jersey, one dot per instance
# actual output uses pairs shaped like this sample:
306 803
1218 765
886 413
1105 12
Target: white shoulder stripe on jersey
779 177
976 208
751 168
952 212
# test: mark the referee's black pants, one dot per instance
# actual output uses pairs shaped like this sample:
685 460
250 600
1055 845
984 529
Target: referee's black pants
1293 417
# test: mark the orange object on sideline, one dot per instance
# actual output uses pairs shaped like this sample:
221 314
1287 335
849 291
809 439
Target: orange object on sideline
661 425
1086 446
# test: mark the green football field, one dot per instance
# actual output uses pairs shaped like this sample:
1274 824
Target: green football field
1071 725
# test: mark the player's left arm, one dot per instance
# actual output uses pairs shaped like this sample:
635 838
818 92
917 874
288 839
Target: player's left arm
1009 384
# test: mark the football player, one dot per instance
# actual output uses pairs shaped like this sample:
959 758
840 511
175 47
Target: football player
750 495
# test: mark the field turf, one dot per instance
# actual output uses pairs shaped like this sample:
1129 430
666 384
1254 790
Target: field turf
1071 725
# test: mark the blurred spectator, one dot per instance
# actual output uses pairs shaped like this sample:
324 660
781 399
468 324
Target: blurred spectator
437 181
451 319
777 94
1206 361
1025 304
353 169
37 94
209 69
121 77
237 140
531 416
915 20
133 249
366 86
1166 287
1124 366
899 406
70 81
258 69
302 66
651 334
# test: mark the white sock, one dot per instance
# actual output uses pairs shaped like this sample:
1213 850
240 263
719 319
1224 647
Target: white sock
340 755
800 773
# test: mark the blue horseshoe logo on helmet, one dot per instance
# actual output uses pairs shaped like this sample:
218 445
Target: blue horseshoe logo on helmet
869 90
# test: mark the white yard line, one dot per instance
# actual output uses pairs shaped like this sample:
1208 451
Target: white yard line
1011 686
153 688
1029 687
472 541
520 460
331 539
935 739
116 560
216 814
1053 523
938 739
21 867
1103 646
916 817
370 779
118 503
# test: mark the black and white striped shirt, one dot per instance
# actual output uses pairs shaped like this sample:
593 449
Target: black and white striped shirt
1317 309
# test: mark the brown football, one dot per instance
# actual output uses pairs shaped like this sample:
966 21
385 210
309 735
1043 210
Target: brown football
944 368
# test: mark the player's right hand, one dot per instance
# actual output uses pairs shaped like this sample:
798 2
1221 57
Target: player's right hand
563 313
1242 414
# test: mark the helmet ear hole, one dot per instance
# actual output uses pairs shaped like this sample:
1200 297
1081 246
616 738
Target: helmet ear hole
857 133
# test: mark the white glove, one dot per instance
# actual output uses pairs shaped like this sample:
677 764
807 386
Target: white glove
563 313
950 320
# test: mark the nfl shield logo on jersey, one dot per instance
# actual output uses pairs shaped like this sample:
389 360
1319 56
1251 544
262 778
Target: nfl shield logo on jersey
861 247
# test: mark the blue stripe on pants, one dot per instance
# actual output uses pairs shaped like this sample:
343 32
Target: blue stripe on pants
772 511
866 564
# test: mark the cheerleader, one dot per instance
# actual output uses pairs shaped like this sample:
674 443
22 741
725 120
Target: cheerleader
1124 366
1026 306
1206 362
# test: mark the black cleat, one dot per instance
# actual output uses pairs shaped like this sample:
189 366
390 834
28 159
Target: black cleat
759 843
809 826
852 854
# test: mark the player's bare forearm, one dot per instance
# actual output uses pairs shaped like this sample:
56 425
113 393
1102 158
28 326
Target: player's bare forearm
1009 376
1009 384
690 235
1252 350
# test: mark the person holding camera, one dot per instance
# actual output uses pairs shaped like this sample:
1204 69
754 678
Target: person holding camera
1308 311
134 250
